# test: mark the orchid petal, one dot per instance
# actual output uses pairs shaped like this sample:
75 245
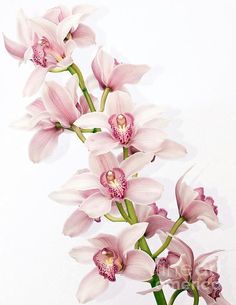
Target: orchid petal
77 223
67 196
92 285
104 241
83 254
43 143
23 29
102 163
143 190
139 266
96 205
126 74
146 113
129 236
171 150
82 182
119 102
14 49
35 81
101 143
148 139
93 119
135 163
84 36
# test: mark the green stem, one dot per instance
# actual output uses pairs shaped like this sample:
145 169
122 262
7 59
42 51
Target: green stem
86 130
113 218
104 98
195 293
144 246
73 69
174 296
159 295
173 230
123 213
125 153
131 210
77 130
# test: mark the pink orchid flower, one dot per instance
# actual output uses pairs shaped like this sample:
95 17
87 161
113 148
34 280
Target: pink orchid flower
112 181
194 205
69 24
114 75
54 113
179 268
157 219
111 256
42 42
136 128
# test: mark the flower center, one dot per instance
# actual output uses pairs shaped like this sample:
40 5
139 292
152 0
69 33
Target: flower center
115 182
39 52
213 283
108 263
122 126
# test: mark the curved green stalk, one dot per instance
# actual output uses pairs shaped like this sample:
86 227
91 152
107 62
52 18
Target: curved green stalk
79 133
113 218
104 98
174 296
195 293
73 69
123 213
173 230
159 295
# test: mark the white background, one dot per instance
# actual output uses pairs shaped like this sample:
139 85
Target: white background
191 46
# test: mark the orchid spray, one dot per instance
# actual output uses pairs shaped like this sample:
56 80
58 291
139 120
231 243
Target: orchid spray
122 138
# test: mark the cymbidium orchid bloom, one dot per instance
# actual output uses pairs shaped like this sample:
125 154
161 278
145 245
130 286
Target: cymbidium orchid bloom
114 75
46 44
112 256
179 268
69 23
128 126
157 219
58 109
113 182
194 205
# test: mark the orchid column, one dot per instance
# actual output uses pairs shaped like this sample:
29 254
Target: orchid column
122 138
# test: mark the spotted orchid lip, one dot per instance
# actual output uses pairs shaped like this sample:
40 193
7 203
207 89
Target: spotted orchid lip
122 126
108 263
115 182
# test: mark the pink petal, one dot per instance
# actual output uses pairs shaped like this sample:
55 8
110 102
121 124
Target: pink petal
23 29
84 10
102 163
96 205
44 28
130 235
91 286
143 190
67 196
148 139
102 67
119 102
126 74
77 223
83 254
171 150
92 120
72 86
201 261
179 247
60 104
101 143
146 113
35 81
14 49
66 26
104 241
142 212
184 193
139 266
43 143
84 36
135 163
83 182
158 222
199 210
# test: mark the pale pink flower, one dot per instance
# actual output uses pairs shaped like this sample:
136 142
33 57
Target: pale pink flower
42 43
69 23
194 205
112 182
114 75
156 218
58 109
137 128
178 268
111 256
